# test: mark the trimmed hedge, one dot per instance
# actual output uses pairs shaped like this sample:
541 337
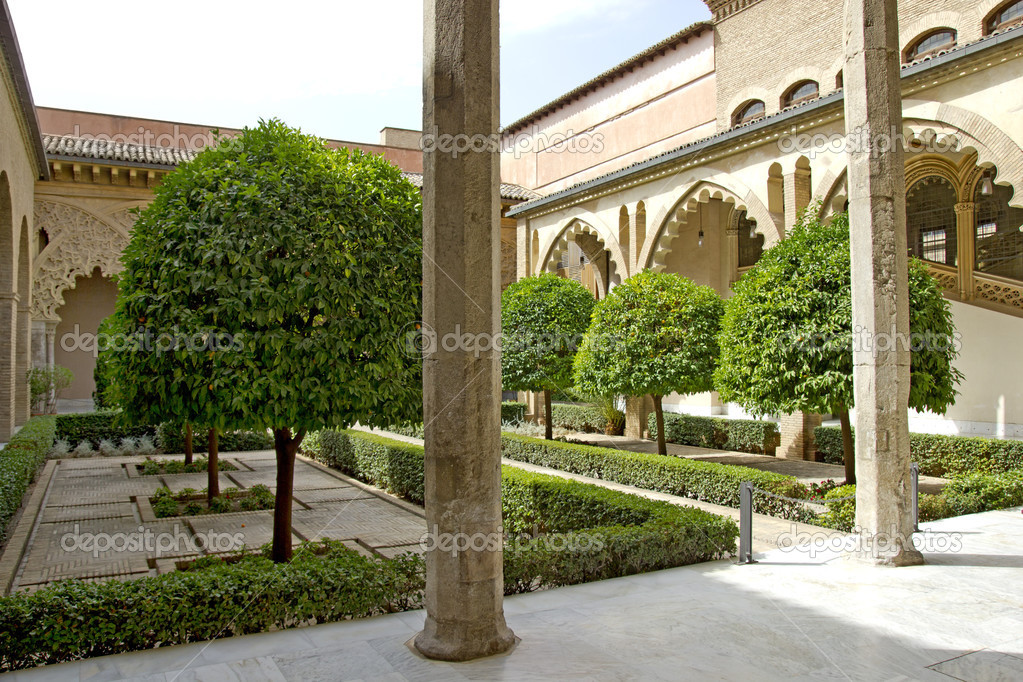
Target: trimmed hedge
171 439
19 461
513 412
581 418
942 456
707 481
97 426
634 534
741 435
979 492
71 619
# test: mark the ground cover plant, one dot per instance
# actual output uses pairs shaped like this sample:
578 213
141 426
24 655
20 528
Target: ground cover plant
158 467
187 502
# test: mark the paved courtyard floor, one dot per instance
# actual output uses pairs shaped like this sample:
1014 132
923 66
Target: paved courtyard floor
789 617
91 504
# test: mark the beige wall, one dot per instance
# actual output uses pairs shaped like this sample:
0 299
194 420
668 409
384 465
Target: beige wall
661 105
84 308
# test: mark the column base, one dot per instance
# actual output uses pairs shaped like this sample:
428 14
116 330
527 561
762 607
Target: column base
457 642
890 558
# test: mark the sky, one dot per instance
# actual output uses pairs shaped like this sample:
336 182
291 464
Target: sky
338 69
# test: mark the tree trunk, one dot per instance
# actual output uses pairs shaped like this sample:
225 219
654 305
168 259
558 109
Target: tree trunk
212 466
286 447
188 443
662 446
548 416
848 449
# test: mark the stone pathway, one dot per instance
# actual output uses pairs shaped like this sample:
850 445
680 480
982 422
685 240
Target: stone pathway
807 472
96 522
789 617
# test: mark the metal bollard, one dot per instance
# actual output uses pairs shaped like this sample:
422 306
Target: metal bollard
914 482
746 523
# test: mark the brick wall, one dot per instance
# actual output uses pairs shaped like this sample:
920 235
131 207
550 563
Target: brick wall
763 47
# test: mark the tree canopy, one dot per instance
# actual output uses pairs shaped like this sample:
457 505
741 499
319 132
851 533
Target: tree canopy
655 334
543 320
285 272
787 335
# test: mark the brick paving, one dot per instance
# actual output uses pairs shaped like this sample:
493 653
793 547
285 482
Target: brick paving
96 522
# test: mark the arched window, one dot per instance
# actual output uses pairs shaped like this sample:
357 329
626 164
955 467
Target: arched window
930 44
751 244
840 80
998 240
931 220
1006 16
799 93
749 112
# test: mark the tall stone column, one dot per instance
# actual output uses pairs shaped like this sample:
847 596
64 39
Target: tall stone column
8 363
880 296
461 294
22 363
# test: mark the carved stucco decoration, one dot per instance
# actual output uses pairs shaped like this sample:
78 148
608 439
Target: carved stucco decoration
79 242
1000 292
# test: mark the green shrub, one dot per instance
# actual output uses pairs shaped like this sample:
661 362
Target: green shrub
707 481
171 439
152 467
72 619
513 412
94 427
408 429
665 536
933 508
259 497
742 435
942 456
582 418
839 515
979 492
19 462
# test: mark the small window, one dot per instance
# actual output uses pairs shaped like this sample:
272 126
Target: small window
1004 17
931 44
799 93
749 112
840 80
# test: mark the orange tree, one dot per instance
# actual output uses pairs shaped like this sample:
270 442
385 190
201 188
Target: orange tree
285 271
655 334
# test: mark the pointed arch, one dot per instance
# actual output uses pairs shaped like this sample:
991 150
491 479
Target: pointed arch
585 223
658 242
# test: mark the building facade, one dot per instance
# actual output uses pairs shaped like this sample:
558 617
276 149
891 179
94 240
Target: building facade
716 140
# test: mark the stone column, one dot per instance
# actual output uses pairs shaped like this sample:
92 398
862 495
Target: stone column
966 231
880 289
461 293
8 363
797 439
730 256
523 247
637 416
23 361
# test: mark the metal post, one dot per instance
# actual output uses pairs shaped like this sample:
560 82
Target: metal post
914 482
746 523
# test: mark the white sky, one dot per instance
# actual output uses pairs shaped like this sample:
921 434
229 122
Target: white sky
341 69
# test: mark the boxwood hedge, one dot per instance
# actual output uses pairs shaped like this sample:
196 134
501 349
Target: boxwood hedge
624 533
942 456
171 439
19 462
582 418
741 435
71 619
98 426
707 481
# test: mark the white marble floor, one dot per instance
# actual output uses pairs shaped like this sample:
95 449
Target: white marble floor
788 617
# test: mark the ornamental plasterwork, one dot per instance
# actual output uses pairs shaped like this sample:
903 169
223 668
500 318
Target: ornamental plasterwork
79 242
998 292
